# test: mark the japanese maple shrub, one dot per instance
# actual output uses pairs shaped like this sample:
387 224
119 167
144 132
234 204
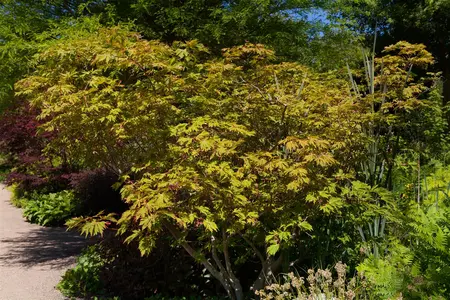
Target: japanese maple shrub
239 150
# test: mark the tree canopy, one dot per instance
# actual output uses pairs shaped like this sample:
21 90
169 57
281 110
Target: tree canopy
425 22
245 133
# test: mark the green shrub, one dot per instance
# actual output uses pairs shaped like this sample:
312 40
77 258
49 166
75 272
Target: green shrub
18 197
50 209
4 164
84 279
4 170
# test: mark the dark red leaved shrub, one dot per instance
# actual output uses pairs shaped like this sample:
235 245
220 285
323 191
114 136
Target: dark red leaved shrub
18 131
94 189
20 141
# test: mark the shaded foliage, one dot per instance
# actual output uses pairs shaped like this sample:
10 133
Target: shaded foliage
84 279
94 189
283 25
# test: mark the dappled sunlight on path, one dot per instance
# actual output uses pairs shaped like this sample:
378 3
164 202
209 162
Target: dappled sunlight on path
32 258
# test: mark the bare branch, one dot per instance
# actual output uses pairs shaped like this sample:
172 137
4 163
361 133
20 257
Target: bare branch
226 254
234 280
257 252
192 252
215 256
300 90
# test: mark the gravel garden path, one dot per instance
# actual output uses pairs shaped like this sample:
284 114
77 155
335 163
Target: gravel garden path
32 258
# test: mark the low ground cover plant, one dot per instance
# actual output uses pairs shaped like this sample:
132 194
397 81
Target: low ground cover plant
84 279
50 209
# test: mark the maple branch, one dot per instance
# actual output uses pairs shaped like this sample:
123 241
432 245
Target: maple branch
257 252
216 257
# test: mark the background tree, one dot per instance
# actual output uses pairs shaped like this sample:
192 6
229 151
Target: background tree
289 27
22 24
219 24
425 22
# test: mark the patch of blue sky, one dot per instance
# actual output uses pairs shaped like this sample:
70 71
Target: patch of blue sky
310 15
